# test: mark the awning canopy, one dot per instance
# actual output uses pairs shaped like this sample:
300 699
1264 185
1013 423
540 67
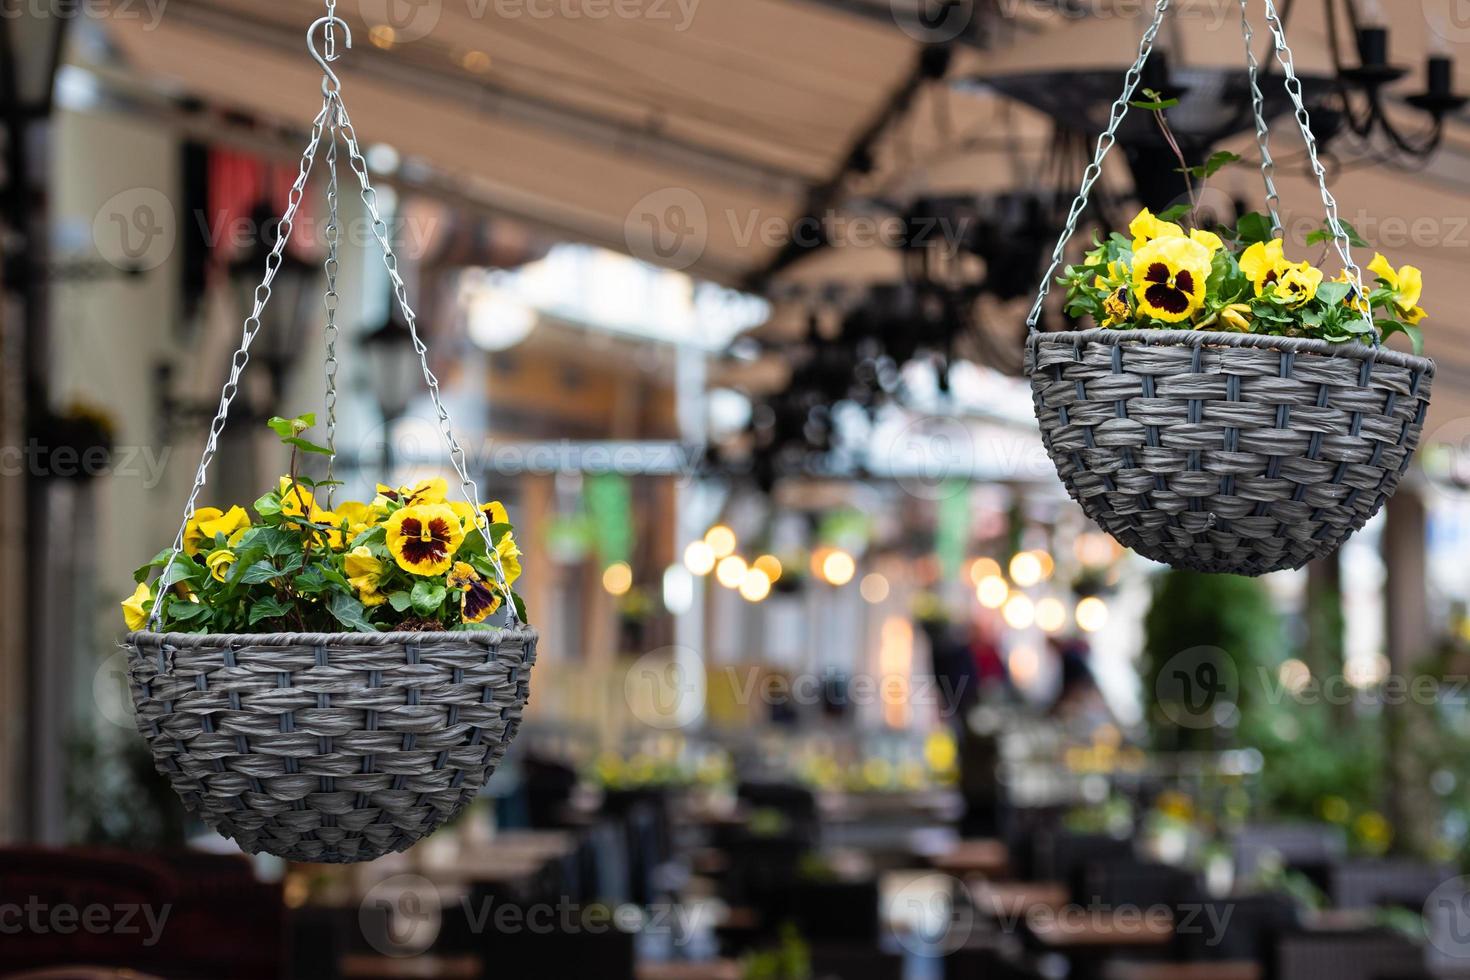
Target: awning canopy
697 134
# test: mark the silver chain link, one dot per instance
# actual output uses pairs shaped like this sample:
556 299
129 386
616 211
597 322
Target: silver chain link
1304 120
242 354
1094 169
1263 136
390 262
330 300
333 114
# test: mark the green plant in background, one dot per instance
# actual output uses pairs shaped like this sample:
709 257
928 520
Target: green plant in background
1222 627
790 960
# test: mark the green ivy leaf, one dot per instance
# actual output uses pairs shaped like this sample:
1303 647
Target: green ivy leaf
261 571
307 446
1253 227
286 428
1175 213
267 608
182 611
350 613
427 597
520 604
1333 293
1217 160
400 601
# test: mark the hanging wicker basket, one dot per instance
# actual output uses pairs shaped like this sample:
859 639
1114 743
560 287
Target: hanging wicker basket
1224 452
329 747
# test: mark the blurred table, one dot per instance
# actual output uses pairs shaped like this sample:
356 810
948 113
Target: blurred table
1225 970
1104 930
711 970
369 967
982 857
1012 900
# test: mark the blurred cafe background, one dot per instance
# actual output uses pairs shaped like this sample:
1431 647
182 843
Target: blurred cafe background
727 298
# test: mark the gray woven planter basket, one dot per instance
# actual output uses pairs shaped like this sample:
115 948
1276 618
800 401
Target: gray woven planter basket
1226 452
330 747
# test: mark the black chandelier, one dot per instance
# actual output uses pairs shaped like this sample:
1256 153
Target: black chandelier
1361 90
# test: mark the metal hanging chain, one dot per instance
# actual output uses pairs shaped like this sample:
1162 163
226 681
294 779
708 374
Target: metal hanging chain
1094 169
1263 138
1304 120
330 300
390 261
242 354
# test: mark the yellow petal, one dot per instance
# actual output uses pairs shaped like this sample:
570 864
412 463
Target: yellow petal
194 537
1208 239
134 615
1410 286
1380 267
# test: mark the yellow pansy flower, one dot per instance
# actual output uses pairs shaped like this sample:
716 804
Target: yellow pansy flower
510 558
296 500
478 600
135 615
1116 310
358 516
1236 316
1297 282
1146 228
1407 285
1262 263
1208 239
494 512
423 539
219 562
206 522
333 538
1169 278
364 572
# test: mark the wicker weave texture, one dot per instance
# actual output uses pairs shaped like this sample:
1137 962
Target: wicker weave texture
1226 452
330 747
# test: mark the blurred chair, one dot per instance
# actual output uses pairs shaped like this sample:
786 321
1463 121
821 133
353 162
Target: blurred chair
1061 855
227 922
1359 954
1236 929
1366 884
853 962
796 804
1305 846
1125 882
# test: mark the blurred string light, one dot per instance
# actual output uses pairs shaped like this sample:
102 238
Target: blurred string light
1025 665
1025 569
721 540
983 568
731 571
1019 612
1051 615
838 567
1092 614
992 592
678 590
1294 675
770 565
874 588
1094 548
755 585
617 578
699 558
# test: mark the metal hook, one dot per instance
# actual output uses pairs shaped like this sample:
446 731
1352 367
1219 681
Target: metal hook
329 79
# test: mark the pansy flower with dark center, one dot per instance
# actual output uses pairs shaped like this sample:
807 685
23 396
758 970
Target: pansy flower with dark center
424 538
1263 263
478 601
1169 276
